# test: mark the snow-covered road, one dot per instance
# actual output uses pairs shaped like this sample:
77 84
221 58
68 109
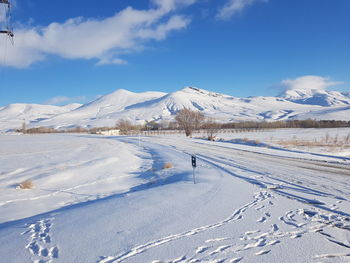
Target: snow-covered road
309 178
250 204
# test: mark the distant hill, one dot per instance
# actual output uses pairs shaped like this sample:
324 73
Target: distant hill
12 116
159 106
317 97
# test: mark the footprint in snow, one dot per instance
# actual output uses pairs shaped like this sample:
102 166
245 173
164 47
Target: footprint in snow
274 228
201 249
260 243
219 249
291 223
273 242
261 219
252 232
296 235
178 260
262 252
260 207
40 240
33 248
235 260
54 252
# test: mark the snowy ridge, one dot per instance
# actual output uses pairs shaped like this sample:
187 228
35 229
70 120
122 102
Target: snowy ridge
317 97
13 115
159 106
102 111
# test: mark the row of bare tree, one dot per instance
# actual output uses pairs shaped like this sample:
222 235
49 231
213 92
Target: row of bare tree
186 119
190 121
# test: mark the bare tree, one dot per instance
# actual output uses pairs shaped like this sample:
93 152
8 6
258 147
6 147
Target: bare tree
173 125
164 124
152 125
212 128
124 126
189 120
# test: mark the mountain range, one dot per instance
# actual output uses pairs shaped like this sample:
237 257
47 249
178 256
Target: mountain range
159 106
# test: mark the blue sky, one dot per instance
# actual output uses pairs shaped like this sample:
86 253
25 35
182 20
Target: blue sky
67 51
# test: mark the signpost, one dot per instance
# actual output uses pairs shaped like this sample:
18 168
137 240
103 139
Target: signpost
194 165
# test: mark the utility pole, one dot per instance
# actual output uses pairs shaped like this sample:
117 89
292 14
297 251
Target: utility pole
24 126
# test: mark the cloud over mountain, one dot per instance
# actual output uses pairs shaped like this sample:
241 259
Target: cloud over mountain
313 90
309 83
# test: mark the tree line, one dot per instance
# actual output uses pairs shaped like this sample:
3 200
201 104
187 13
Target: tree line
190 121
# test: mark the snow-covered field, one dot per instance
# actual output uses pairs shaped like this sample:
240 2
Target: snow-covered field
334 141
65 170
108 199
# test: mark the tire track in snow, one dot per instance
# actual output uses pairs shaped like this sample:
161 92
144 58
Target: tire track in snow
237 214
243 165
307 222
265 182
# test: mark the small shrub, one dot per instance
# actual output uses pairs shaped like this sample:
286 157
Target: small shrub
168 166
26 185
257 142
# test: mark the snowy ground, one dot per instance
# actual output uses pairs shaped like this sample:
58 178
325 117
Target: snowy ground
280 134
334 141
109 200
65 170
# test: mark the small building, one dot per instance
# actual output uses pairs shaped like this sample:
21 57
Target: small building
109 132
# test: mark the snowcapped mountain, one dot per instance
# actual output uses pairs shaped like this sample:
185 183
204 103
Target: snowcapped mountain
317 97
104 111
158 106
12 116
71 106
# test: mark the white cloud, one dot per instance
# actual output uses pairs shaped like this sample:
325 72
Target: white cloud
101 39
109 61
59 100
310 82
170 5
234 7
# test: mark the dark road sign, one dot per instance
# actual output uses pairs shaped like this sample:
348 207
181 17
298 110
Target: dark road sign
194 161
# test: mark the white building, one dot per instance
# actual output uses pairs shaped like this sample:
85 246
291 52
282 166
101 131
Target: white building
109 132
